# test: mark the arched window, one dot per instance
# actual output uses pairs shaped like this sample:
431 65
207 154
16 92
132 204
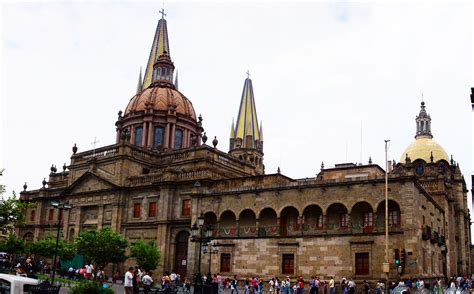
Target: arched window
178 139
138 136
158 136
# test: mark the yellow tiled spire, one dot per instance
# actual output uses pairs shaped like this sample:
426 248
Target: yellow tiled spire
247 123
159 47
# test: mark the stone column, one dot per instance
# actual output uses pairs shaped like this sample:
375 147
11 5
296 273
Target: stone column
100 217
167 136
173 127
132 135
144 134
150 135
77 224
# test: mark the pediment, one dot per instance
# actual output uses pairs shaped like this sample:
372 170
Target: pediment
89 182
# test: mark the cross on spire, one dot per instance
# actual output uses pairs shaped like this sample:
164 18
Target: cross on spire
93 144
248 74
163 14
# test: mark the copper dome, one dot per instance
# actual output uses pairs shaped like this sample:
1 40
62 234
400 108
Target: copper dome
161 99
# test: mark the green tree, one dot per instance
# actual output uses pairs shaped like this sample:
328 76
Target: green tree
12 245
46 247
102 246
12 212
147 254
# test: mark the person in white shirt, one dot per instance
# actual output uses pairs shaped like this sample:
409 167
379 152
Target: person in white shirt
147 281
88 271
128 283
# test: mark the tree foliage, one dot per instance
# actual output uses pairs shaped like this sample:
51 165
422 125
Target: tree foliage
12 212
12 245
46 247
102 246
147 254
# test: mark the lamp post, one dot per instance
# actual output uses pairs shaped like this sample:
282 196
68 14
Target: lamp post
200 234
386 266
60 206
213 249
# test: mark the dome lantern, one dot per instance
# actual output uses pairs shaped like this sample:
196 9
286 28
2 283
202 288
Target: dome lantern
424 147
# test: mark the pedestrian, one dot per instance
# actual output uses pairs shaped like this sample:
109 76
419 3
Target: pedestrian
219 282
312 290
271 283
331 286
247 286
147 281
234 285
128 281
277 285
135 281
366 287
352 286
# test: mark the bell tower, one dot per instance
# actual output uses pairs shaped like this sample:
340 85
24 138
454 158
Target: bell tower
246 137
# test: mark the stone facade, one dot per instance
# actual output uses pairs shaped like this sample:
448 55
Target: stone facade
160 176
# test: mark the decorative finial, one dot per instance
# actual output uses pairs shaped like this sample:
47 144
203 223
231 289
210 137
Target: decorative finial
25 186
163 14
370 160
52 169
64 167
322 164
44 183
422 100
407 159
120 113
278 170
431 157
452 160
74 149
204 138
248 74
176 80
200 118
214 142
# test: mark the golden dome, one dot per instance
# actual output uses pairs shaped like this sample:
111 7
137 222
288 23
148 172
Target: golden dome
422 147
161 99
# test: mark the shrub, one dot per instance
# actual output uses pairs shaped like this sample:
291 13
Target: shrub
90 287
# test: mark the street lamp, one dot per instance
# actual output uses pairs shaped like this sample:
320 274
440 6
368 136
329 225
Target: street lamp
60 206
202 235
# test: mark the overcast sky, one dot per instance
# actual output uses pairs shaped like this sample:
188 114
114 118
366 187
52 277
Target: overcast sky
331 80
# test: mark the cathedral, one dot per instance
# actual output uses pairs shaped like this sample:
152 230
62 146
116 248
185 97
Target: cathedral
163 173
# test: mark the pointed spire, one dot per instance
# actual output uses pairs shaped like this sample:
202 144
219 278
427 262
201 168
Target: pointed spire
247 122
159 47
232 130
176 80
140 82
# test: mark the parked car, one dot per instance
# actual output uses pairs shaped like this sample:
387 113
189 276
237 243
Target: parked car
10 284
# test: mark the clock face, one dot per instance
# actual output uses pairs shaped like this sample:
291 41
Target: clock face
419 169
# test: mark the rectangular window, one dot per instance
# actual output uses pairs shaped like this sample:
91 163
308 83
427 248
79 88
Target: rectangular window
393 218
362 263
51 214
158 137
368 219
136 210
178 139
343 220
186 209
138 136
288 264
152 209
320 221
225 262
32 215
